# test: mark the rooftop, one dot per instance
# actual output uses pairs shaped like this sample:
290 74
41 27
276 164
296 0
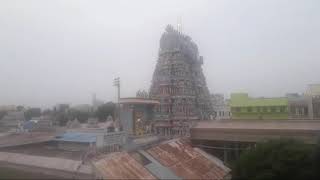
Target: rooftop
188 162
77 137
174 159
257 130
45 162
313 89
121 165
26 138
261 124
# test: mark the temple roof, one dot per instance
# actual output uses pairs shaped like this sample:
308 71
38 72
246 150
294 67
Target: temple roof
138 101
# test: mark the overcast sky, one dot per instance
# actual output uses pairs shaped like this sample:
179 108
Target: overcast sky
55 51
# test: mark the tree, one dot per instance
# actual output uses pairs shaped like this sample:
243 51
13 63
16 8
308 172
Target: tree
105 110
316 160
276 159
32 112
20 108
82 116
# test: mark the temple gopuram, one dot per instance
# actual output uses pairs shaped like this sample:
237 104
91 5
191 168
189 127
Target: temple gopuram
179 85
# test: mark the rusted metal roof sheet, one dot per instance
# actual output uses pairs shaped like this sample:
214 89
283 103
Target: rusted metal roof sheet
121 165
187 162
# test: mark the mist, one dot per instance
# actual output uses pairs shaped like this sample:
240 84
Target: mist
63 51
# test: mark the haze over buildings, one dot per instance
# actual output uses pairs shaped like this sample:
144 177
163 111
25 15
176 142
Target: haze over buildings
63 51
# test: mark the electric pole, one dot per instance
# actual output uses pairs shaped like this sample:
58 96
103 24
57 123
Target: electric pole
116 82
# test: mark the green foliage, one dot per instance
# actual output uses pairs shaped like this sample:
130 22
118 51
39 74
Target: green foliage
32 112
20 108
105 110
80 115
62 118
277 159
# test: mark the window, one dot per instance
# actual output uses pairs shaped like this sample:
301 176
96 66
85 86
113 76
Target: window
273 109
265 109
258 109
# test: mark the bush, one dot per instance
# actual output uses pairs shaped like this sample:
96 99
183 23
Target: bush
277 159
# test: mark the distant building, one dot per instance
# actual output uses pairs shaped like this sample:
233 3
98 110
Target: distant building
8 108
12 121
91 141
82 108
96 102
245 107
313 95
39 124
74 141
313 90
61 108
297 106
220 106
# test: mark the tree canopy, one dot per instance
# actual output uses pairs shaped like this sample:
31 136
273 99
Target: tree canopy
32 112
105 110
278 159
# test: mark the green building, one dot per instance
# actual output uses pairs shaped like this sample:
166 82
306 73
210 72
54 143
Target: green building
245 107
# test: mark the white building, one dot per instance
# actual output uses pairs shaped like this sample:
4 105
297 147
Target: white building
220 106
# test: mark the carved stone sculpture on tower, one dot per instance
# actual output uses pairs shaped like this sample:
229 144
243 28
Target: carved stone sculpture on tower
178 81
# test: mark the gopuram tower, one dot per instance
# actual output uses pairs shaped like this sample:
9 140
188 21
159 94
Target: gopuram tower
179 83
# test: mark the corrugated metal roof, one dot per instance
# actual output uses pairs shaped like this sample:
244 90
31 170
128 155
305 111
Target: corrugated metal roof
174 159
157 169
186 162
77 137
121 165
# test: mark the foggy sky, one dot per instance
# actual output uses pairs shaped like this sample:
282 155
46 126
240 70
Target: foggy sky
63 51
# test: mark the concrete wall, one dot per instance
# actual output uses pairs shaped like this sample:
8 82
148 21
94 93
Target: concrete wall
272 112
73 146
